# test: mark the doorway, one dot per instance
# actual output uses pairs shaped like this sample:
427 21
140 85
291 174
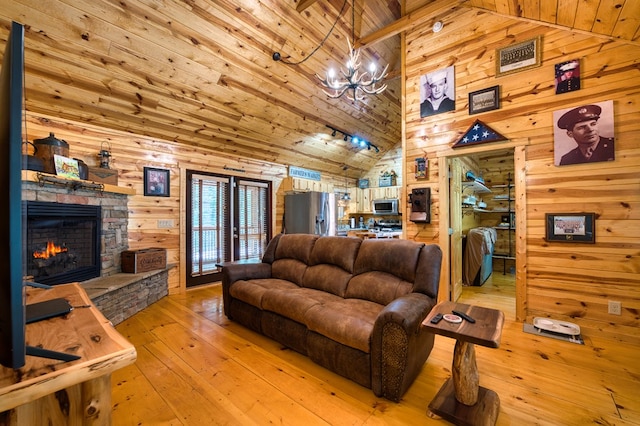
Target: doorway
483 229
228 219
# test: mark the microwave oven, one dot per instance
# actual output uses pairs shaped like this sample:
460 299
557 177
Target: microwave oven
387 206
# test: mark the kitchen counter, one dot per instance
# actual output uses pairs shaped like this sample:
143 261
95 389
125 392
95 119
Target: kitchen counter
373 233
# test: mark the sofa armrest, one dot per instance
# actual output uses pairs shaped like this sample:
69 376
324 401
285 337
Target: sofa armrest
400 345
241 271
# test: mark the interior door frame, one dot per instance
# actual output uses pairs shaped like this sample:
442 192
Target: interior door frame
519 163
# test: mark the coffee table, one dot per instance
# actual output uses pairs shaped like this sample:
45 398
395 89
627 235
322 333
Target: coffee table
461 400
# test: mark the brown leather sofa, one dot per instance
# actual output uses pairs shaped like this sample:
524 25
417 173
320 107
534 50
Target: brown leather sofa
352 306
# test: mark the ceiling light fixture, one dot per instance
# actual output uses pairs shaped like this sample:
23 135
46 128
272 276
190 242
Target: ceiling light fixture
356 141
353 82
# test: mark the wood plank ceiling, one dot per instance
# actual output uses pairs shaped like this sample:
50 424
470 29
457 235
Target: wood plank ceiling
200 72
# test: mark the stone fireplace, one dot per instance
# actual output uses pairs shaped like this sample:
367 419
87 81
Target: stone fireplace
117 295
114 217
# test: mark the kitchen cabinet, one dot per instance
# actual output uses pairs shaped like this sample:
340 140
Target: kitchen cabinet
365 196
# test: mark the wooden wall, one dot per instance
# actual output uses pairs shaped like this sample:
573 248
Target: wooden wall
561 280
130 154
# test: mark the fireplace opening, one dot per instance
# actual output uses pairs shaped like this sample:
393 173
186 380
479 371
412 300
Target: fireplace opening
63 242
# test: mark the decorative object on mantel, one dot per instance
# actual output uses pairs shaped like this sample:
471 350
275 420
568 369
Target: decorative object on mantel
156 182
479 133
355 140
355 83
98 174
66 167
69 183
47 147
387 178
104 155
29 157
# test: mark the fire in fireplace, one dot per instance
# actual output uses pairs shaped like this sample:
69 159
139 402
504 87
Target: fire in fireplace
63 242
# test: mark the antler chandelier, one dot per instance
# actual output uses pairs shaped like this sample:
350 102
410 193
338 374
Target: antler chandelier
354 84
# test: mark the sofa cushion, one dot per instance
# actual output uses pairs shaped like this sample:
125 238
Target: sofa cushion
338 251
295 246
378 287
347 321
396 257
253 291
331 264
295 303
384 270
292 256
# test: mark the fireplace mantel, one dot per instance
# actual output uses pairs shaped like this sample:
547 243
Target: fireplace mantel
32 176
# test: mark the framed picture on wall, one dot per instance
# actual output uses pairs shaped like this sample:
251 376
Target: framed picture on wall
571 227
518 57
156 182
437 92
567 76
584 134
484 100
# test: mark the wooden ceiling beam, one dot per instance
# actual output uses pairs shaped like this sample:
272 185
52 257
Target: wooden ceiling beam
304 4
408 21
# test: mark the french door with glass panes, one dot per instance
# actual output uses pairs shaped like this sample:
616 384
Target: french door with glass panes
228 219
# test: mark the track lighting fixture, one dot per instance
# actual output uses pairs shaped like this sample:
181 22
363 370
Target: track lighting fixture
355 140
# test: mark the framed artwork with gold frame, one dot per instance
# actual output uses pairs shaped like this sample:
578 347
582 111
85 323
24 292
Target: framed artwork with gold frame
518 57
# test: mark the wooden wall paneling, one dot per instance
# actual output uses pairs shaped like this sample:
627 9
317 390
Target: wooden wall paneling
526 114
130 154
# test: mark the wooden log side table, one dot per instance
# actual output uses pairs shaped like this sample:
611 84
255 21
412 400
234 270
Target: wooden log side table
461 400
47 391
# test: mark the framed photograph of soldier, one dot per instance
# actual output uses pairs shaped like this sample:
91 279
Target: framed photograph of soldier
518 57
583 134
484 100
567 76
570 227
437 92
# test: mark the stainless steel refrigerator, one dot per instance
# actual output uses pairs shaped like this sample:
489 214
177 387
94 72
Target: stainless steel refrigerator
310 213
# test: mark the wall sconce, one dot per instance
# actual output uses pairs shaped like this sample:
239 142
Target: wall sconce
355 140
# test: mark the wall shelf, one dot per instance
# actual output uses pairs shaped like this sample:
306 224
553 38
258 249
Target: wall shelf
477 187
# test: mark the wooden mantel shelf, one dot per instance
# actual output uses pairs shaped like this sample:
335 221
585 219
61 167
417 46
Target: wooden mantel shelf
32 176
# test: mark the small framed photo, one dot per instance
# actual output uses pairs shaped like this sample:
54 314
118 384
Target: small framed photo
518 57
484 100
363 183
571 227
156 182
567 76
421 167
66 167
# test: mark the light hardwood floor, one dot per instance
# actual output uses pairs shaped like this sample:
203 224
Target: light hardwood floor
195 367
